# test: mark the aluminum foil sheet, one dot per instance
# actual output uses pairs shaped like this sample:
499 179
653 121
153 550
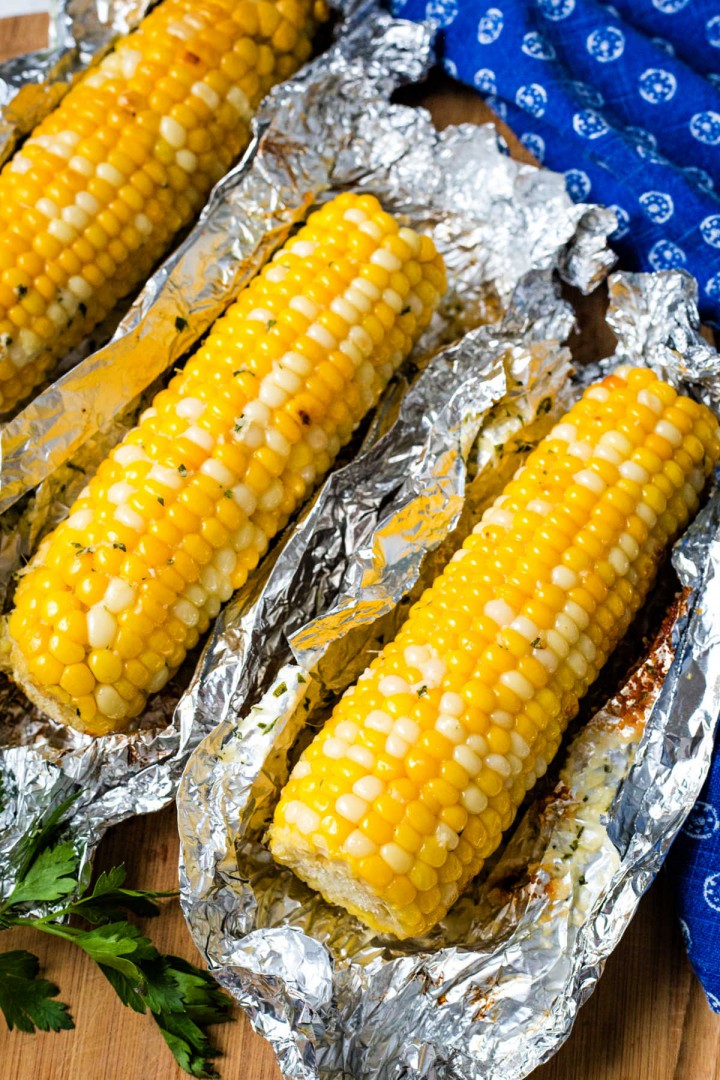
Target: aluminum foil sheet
494 989
331 128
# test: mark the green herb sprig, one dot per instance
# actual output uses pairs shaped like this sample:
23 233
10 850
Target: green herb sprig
182 999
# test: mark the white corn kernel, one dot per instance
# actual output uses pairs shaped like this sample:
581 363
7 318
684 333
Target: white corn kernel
498 764
127 516
186 612
362 756
386 259
119 595
399 860
190 408
395 746
101 627
446 836
368 788
500 612
245 498
80 520
110 703
668 431
451 703
351 808
451 728
473 799
406 729
110 174
518 684
216 471
207 94
335 748
199 436
173 132
358 845
377 720
467 759
393 684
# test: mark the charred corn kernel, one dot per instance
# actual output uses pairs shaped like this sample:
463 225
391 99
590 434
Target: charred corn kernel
93 197
185 506
546 614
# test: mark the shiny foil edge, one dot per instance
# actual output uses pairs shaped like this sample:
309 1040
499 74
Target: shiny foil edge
461 1012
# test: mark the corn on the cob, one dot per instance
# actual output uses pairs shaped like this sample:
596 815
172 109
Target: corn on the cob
394 806
185 506
95 195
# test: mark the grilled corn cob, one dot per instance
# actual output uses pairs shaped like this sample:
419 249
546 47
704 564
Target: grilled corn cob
394 806
94 196
185 506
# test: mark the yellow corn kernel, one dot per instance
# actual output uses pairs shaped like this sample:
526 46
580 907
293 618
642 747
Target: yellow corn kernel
77 680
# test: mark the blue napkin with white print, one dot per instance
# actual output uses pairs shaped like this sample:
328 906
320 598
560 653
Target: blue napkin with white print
695 864
625 100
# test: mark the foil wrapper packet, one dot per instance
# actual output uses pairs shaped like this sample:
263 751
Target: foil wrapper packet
494 989
329 129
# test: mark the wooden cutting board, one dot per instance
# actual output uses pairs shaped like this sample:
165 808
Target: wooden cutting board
648 1019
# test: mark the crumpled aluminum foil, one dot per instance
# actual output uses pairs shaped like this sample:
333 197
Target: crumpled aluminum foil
331 128
492 991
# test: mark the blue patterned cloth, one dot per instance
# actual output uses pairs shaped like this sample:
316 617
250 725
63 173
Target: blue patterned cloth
624 99
695 864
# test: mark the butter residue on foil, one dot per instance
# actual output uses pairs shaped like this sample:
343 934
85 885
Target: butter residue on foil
329 129
494 989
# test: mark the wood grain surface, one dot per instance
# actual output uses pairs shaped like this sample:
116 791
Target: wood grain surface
648 1019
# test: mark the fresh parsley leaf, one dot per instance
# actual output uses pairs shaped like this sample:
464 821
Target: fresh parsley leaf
180 999
41 836
52 875
26 1001
108 900
201 995
196 1001
189 1044
119 946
